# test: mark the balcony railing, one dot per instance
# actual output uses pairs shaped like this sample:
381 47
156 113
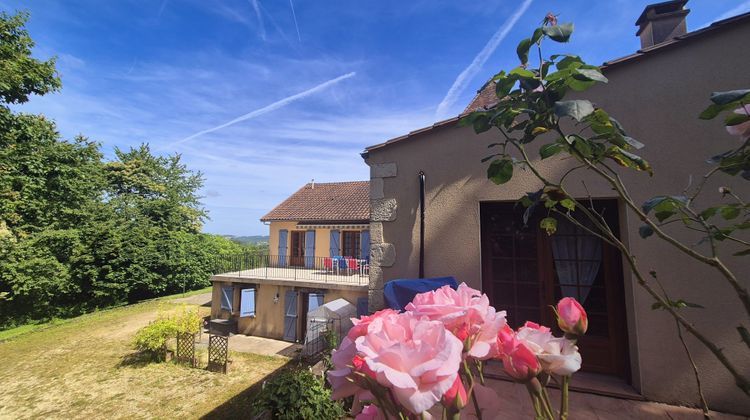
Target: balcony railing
341 270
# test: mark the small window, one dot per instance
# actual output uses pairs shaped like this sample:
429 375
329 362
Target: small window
227 293
247 303
314 301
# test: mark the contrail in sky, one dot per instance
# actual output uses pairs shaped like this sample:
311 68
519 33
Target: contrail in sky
266 109
294 15
459 85
254 3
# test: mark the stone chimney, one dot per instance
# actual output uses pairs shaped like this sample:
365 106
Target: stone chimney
661 22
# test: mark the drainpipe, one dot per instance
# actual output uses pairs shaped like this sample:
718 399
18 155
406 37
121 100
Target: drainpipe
421 224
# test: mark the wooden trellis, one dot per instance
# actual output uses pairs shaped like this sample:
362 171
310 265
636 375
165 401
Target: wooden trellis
186 349
218 353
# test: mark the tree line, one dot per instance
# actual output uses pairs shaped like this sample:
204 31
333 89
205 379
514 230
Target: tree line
78 231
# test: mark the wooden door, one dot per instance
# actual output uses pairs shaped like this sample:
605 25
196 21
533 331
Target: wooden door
297 254
524 271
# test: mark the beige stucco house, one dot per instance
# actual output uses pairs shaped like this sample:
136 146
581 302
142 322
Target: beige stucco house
318 252
473 232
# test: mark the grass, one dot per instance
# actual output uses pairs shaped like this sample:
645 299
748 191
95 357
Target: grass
27 328
85 367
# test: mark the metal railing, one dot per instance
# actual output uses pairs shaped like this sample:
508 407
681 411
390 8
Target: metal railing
317 269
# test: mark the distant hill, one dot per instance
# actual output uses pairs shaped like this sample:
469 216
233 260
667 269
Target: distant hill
257 239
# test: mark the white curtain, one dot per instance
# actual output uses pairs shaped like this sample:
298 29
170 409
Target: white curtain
578 256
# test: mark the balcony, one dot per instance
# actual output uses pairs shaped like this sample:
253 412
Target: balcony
297 270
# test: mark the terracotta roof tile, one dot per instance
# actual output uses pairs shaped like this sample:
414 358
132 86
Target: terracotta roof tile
330 202
484 99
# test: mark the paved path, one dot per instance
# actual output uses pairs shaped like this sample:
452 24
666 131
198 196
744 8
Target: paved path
203 299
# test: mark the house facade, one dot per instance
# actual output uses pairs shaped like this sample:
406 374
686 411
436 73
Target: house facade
318 252
472 230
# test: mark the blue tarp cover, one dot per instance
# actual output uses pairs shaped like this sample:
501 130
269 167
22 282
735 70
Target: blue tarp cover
400 292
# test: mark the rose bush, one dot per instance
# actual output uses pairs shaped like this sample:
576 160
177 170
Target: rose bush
402 364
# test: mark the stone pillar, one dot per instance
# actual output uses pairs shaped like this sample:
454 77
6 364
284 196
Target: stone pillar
382 210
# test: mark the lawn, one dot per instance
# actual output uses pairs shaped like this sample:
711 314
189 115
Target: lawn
83 368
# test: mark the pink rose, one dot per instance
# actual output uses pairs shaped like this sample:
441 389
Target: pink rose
742 129
571 317
466 313
370 412
361 324
558 356
519 361
456 394
417 359
341 375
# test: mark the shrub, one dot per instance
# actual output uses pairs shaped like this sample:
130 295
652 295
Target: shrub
152 339
297 394
188 320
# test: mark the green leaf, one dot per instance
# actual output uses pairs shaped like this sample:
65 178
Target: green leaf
708 213
744 334
590 75
500 171
549 225
711 112
538 32
551 149
570 61
735 119
568 204
664 203
645 231
559 33
522 73
635 144
523 50
578 109
579 85
729 212
723 98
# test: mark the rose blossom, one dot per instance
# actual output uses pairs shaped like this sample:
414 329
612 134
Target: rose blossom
742 129
466 313
519 361
557 356
456 394
370 412
571 317
341 376
417 359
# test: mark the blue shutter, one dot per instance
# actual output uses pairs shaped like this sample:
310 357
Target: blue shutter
314 301
310 249
364 245
247 302
290 316
334 247
282 247
227 293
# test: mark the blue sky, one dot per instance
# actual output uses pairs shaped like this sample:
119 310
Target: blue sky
264 95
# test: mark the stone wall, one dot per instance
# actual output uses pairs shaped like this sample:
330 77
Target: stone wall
382 210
